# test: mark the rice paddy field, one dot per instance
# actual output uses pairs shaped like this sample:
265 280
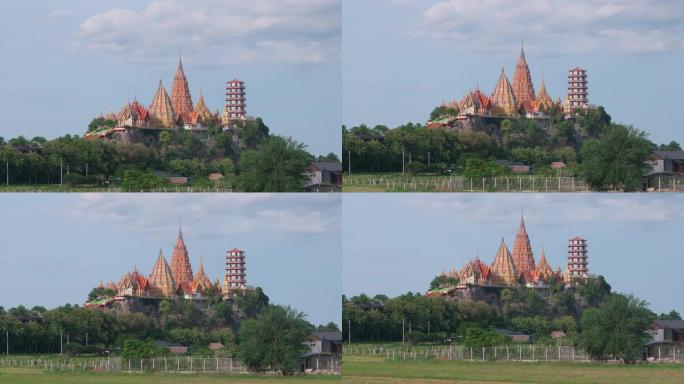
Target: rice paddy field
374 369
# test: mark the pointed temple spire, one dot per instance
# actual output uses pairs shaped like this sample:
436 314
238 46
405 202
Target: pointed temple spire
180 261
180 93
503 96
161 278
522 250
201 283
522 81
201 109
503 267
543 102
161 108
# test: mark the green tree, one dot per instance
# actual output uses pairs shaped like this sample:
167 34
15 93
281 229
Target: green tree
616 160
277 165
442 281
673 146
616 329
274 340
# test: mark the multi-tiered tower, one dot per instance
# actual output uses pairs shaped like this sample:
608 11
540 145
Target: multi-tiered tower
236 272
236 101
522 251
180 94
522 82
180 263
578 89
578 264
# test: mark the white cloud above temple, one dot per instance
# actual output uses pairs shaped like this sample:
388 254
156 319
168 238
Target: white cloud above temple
217 32
560 27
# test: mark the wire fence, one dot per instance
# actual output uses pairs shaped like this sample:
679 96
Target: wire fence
527 352
530 183
319 364
66 189
465 184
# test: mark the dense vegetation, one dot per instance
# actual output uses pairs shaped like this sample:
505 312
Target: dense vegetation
136 335
588 314
73 161
591 146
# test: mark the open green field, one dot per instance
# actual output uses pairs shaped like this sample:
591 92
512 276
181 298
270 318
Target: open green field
370 369
35 376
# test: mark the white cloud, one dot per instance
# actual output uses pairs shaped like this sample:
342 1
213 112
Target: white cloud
273 214
560 27
215 32
556 208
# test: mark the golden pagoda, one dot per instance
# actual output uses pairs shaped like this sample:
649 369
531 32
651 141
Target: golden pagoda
201 109
201 283
543 269
161 109
543 102
161 279
503 98
503 267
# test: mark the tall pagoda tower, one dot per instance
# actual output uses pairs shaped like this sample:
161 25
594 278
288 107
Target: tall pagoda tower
236 101
503 267
503 96
180 93
578 264
522 81
161 279
236 271
578 88
161 108
180 262
522 250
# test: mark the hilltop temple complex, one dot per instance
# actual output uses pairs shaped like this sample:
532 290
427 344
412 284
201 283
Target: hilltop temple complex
517 268
518 98
177 278
176 110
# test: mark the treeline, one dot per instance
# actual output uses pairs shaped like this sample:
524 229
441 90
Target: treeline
418 318
590 145
77 330
72 160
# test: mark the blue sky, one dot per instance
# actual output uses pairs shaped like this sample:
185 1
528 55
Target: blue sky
401 57
66 61
395 243
57 247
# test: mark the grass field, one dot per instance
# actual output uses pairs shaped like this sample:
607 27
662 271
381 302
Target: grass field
367 369
35 376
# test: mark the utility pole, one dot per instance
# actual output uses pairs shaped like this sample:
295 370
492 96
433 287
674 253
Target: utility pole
349 330
86 169
349 161
428 157
428 327
61 171
87 338
403 154
403 321
7 173
7 341
61 344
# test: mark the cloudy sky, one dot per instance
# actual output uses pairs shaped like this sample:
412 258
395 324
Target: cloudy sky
395 243
402 57
57 247
67 60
